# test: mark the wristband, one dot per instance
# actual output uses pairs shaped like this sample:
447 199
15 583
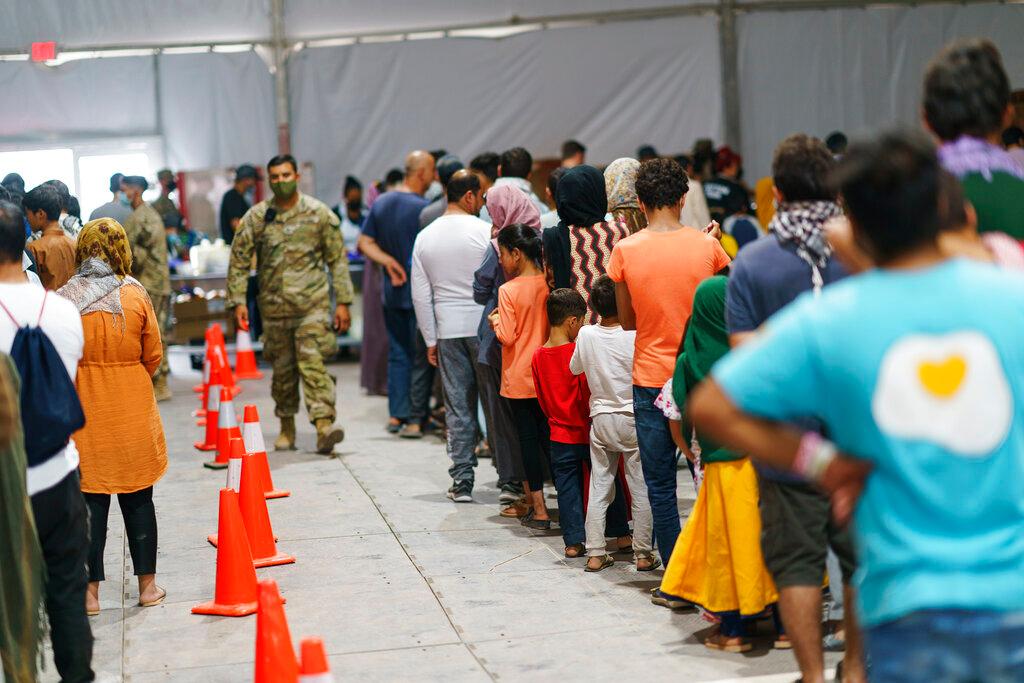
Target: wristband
814 456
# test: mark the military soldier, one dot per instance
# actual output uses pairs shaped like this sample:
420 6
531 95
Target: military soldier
169 213
293 236
145 230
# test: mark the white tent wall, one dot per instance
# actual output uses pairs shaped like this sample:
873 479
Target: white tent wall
80 23
854 70
216 109
359 109
81 98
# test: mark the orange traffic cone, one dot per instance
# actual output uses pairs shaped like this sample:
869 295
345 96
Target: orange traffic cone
256 518
204 392
206 367
245 357
227 429
314 668
252 434
275 658
234 476
209 443
235 594
220 350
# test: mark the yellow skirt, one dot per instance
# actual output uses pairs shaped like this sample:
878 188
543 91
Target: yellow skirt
717 560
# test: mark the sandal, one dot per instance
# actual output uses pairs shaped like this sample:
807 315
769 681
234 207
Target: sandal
724 643
783 643
577 550
154 603
606 561
531 522
652 563
517 510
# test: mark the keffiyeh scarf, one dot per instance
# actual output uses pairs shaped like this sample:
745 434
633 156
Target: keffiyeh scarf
801 225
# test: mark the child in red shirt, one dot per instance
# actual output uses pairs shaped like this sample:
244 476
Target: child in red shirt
565 400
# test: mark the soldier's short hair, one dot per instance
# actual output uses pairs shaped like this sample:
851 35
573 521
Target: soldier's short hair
282 159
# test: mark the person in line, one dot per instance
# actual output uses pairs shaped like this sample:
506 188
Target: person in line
23 583
967 105
549 219
236 201
293 236
837 142
388 238
148 239
122 445
695 211
507 206
61 518
1013 142
485 165
578 249
351 212
564 398
514 168
53 251
725 194
573 154
939 587
444 259
71 224
520 325
766 276
620 186
656 272
443 172
118 207
604 353
717 561
646 153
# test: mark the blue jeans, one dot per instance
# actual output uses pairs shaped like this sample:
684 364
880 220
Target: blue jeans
948 646
658 458
457 360
401 327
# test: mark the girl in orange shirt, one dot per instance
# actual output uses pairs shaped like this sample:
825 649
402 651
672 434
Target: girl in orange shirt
521 325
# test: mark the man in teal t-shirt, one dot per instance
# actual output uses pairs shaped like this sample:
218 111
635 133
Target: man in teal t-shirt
917 372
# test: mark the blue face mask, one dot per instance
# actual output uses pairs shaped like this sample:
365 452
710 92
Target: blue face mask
123 198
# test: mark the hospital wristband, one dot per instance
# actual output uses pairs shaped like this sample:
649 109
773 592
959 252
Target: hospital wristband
813 456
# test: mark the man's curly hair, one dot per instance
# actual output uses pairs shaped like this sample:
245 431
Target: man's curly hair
661 182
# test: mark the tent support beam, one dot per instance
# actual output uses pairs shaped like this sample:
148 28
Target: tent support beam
281 49
728 58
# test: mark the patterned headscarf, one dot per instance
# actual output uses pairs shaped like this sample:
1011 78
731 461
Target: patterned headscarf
507 204
620 183
105 239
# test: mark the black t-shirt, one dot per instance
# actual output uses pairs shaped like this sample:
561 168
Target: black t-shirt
232 206
725 197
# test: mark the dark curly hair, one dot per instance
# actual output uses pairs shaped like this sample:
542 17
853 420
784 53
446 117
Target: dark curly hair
966 90
661 182
800 169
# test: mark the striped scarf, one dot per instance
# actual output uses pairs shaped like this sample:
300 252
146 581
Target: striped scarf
590 249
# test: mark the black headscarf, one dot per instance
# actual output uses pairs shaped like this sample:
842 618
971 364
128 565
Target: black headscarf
581 197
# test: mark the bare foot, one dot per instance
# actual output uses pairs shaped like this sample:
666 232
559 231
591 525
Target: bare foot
92 598
149 592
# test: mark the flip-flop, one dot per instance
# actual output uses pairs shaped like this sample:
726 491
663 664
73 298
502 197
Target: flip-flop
606 561
154 603
716 642
92 612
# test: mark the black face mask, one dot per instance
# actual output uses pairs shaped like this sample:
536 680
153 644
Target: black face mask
171 186
354 205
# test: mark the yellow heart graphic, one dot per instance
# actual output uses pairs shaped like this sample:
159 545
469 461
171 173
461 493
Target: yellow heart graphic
943 379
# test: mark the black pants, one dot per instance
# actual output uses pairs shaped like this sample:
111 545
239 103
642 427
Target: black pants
139 525
534 439
63 534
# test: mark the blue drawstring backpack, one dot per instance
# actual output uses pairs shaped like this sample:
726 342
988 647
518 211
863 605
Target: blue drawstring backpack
50 409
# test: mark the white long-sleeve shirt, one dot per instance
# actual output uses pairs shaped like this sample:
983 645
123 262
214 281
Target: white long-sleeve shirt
446 254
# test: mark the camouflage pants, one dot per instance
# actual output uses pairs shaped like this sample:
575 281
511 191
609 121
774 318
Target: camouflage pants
162 306
296 347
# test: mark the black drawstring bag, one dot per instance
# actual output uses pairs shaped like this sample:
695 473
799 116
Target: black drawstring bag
50 409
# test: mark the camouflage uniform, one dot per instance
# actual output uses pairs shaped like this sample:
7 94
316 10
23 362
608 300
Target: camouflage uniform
294 300
146 234
165 208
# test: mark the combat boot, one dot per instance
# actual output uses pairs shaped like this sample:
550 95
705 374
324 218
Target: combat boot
327 435
286 440
161 391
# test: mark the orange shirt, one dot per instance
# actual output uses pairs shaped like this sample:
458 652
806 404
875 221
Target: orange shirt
662 271
521 330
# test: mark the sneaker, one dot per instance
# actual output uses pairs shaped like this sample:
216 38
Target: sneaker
461 492
510 492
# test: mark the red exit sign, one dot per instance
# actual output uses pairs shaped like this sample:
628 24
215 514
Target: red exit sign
42 52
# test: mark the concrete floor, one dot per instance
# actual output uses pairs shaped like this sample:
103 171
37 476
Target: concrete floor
401 583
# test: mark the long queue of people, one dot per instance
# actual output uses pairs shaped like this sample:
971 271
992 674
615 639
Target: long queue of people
862 432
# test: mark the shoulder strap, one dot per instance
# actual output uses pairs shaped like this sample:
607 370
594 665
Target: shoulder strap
41 308
13 319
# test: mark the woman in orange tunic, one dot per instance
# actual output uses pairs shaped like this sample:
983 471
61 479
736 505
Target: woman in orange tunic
122 447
